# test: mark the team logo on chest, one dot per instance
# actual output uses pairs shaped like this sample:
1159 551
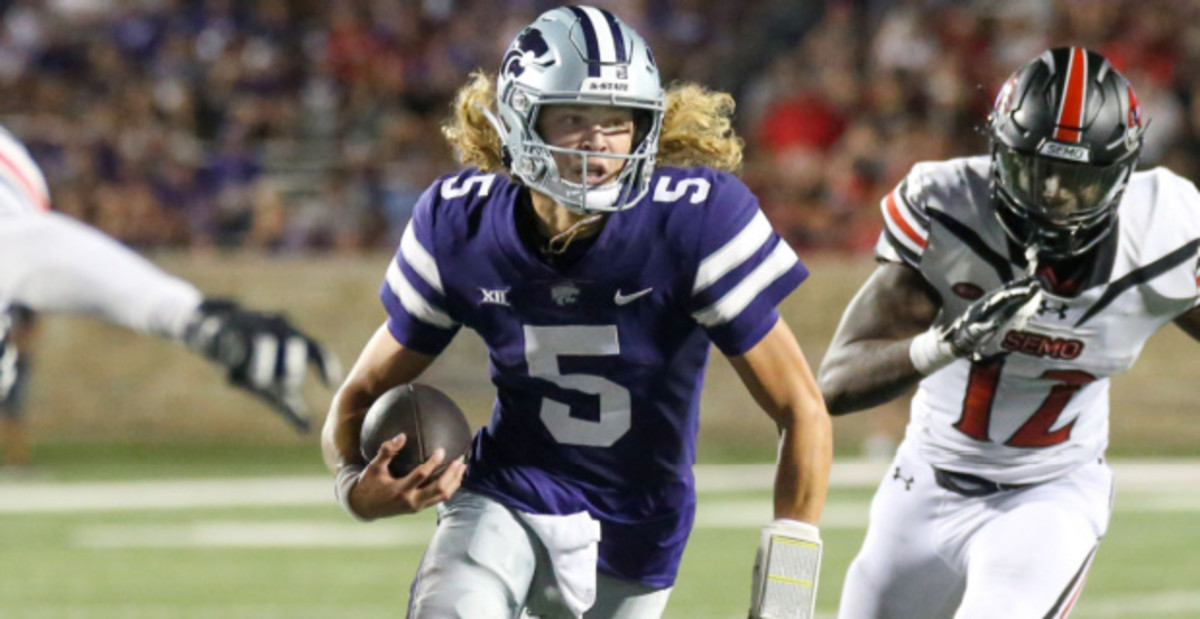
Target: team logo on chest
494 296
564 294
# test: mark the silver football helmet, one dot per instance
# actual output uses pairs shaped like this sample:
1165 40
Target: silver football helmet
578 56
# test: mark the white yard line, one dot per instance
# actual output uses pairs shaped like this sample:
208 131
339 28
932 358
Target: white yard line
253 534
1178 477
1169 603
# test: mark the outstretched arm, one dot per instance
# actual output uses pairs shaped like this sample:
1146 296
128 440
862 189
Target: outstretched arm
54 263
868 361
367 490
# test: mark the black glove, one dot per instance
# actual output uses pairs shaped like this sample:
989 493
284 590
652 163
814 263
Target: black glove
264 354
972 331
8 356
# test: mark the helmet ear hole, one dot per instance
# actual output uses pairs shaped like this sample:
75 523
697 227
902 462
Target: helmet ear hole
643 123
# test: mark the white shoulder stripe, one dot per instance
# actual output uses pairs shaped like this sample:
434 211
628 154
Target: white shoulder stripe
736 300
734 253
413 302
421 260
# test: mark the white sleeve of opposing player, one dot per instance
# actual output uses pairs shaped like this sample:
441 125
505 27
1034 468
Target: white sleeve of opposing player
53 263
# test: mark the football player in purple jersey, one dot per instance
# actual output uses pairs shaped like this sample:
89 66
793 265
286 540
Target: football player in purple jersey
598 244
1011 287
52 263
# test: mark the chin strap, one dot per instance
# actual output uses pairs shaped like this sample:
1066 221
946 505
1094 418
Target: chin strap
559 243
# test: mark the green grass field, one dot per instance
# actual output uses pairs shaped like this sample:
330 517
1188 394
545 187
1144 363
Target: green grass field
215 541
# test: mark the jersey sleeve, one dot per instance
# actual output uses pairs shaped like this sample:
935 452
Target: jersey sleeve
744 269
905 223
412 291
23 188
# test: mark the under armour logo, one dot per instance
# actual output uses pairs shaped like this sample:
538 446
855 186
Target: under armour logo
494 297
1046 306
908 481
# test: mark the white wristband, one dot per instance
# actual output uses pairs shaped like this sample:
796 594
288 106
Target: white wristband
799 528
929 352
347 479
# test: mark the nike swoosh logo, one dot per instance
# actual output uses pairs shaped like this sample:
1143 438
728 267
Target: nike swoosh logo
622 299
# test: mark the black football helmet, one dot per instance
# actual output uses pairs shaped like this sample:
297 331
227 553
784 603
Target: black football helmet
1065 136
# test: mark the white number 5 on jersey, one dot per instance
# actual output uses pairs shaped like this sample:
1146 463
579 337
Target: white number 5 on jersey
699 187
543 346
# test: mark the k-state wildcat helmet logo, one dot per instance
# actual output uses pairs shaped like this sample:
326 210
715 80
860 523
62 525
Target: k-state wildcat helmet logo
529 48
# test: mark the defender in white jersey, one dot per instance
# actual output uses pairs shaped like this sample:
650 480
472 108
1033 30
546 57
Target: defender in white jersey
1011 287
52 263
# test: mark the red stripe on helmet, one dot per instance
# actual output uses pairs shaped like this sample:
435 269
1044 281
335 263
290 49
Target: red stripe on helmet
1070 114
1135 111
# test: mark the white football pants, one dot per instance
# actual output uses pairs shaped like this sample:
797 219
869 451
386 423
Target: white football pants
1014 554
485 561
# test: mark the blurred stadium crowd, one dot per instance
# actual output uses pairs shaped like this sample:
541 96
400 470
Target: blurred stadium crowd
292 125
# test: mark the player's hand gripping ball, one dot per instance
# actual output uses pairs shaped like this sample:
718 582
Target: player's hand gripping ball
428 417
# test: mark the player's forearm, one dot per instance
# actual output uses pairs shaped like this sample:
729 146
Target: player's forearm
53 263
340 436
863 374
382 364
802 473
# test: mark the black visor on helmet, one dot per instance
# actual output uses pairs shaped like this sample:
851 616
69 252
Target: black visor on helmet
1060 192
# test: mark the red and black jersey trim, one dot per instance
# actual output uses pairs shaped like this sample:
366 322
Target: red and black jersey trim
1140 276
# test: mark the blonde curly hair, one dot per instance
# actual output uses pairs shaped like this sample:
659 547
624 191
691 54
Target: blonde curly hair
696 131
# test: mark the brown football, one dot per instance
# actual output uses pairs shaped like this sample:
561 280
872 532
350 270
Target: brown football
427 416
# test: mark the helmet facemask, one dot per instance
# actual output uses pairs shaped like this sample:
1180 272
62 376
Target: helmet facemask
557 61
1060 208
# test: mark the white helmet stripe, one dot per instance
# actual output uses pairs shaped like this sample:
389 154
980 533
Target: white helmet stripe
605 34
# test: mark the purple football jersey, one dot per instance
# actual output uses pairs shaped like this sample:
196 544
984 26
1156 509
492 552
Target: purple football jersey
597 364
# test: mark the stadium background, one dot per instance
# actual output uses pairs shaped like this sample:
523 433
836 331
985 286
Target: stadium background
272 150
